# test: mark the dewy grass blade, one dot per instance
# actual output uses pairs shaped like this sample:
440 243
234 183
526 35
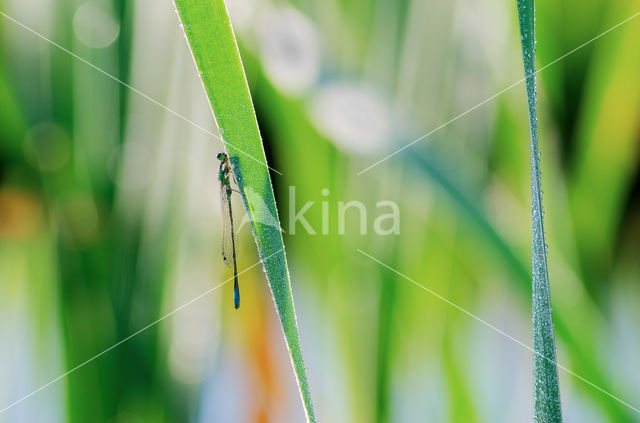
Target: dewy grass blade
212 42
547 407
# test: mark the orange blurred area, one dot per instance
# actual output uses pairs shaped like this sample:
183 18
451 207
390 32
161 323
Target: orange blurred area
21 214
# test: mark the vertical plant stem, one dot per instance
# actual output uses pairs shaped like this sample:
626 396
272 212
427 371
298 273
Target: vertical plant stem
547 407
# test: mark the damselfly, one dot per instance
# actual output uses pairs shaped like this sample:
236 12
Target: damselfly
228 240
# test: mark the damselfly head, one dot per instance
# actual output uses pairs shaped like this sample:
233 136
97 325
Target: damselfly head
221 156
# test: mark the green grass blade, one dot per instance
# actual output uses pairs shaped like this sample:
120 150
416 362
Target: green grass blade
212 42
547 407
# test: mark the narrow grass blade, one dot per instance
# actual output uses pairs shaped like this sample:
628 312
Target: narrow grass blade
547 407
565 325
212 42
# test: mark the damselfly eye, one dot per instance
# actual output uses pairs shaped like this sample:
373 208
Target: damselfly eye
220 156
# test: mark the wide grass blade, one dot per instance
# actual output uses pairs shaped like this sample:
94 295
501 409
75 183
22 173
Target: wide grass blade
547 407
212 42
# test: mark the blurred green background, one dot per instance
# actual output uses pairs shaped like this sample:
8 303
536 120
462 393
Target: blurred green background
109 213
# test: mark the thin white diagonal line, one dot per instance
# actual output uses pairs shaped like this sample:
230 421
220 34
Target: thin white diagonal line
135 90
484 322
171 313
485 101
